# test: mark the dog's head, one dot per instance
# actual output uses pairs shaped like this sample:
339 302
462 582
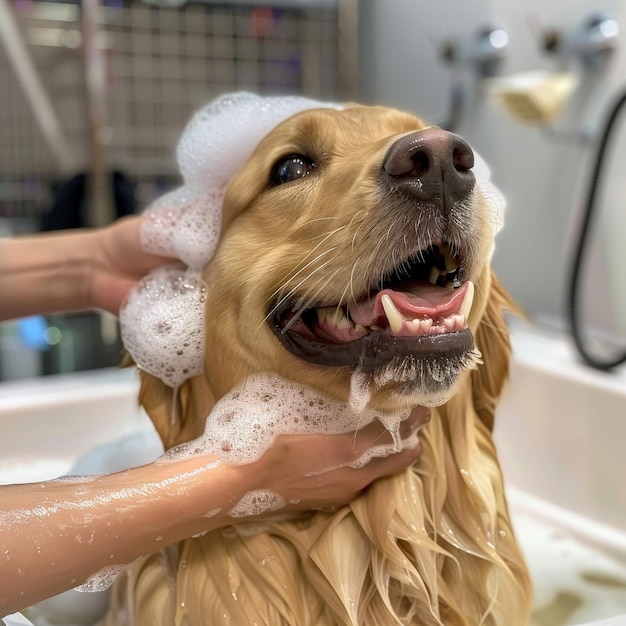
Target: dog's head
353 242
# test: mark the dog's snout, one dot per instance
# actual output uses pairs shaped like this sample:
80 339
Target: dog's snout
431 164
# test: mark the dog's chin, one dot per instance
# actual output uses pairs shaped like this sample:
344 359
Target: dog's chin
412 380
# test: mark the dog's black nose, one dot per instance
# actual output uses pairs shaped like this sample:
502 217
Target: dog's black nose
431 164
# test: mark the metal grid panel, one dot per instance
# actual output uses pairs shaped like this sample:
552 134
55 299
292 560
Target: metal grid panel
162 63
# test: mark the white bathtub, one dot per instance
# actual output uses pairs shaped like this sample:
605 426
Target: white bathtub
561 433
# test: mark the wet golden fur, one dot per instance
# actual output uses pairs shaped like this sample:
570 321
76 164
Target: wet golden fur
433 545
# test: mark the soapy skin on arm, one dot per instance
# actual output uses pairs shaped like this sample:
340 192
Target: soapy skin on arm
55 535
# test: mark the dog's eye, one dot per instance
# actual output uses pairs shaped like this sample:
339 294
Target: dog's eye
291 168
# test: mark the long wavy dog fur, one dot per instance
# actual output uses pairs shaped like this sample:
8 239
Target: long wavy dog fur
430 546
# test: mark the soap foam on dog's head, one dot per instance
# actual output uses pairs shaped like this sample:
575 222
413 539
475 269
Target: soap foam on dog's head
217 142
186 224
162 324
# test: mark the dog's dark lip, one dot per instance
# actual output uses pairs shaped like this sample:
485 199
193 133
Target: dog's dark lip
375 349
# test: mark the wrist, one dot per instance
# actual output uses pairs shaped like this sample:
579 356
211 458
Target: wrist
201 489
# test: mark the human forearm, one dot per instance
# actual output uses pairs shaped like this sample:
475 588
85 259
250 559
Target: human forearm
56 534
45 273
73 270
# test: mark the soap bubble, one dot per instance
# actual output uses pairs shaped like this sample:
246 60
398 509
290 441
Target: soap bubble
101 580
162 324
247 420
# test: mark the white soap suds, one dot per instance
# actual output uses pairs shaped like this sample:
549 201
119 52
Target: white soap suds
385 450
161 221
257 502
101 580
245 422
162 324
495 200
392 424
360 392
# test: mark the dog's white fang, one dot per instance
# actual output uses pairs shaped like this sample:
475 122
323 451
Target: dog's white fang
394 316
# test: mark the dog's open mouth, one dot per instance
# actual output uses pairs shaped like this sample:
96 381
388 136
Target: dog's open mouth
419 310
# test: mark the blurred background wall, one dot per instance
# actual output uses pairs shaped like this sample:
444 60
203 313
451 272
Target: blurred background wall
543 169
157 63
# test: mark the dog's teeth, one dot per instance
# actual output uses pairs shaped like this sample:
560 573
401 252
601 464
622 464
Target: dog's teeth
453 323
426 325
359 328
434 275
451 264
468 300
323 316
340 320
421 327
334 316
393 315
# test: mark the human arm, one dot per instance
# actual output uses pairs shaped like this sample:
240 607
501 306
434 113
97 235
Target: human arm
54 535
72 270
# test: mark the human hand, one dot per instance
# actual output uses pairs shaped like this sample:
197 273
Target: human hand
318 471
118 262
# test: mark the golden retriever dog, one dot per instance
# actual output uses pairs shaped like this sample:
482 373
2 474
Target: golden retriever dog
354 239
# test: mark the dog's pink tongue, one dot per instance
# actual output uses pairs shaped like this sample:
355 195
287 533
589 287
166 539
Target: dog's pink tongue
417 300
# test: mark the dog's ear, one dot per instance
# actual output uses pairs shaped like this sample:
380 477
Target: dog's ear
492 339
176 413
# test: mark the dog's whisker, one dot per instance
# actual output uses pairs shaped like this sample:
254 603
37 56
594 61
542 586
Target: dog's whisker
356 232
297 314
294 276
326 236
320 289
307 278
351 283
293 290
319 219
